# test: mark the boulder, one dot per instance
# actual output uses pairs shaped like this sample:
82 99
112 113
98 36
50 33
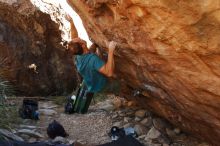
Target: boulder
140 129
10 135
32 57
168 51
47 112
127 119
59 139
167 54
128 125
177 130
153 133
147 122
170 132
160 124
107 106
31 133
137 119
118 124
32 140
28 126
140 113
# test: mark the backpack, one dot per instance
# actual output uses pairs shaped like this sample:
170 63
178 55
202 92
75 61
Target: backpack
79 103
29 109
56 129
124 141
117 133
69 106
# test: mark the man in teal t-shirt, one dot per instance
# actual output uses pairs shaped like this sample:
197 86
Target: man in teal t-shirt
88 66
92 68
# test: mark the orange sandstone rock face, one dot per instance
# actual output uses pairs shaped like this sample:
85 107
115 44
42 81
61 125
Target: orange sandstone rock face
31 55
168 52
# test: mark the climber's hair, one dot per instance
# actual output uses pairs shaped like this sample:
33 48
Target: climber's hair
75 48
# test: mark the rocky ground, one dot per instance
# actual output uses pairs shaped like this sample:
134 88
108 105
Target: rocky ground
93 127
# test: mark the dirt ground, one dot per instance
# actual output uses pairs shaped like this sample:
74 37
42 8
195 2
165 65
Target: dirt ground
91 128
94 126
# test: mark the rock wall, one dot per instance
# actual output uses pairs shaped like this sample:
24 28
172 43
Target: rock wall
168 55
34 59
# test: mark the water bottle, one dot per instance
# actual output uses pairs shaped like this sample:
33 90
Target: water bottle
73 98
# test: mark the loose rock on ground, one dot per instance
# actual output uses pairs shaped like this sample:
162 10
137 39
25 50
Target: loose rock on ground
93 127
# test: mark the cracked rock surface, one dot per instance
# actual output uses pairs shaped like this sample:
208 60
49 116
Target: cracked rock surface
168 50
167 54
31 53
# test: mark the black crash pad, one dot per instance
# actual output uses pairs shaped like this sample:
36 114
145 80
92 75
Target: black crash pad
124 141
18 143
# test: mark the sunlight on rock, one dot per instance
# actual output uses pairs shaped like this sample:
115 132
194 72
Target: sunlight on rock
58 13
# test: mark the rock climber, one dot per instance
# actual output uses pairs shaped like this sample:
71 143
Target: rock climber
94 71
90 66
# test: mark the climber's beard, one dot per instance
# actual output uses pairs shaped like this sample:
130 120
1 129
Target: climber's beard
79 51
75 51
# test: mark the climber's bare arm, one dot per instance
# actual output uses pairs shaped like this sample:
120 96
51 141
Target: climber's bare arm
73 31
108 68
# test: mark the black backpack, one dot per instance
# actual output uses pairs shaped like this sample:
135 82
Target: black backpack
29 109
116 133
69 106
124 141
56 129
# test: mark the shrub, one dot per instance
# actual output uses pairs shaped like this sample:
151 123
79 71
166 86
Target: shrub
6 89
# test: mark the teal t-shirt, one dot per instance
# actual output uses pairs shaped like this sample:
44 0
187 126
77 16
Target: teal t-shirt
88 66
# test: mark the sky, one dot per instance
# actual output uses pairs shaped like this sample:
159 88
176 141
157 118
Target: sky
77 21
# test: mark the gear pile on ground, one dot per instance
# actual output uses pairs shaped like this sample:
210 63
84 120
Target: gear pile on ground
93 127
